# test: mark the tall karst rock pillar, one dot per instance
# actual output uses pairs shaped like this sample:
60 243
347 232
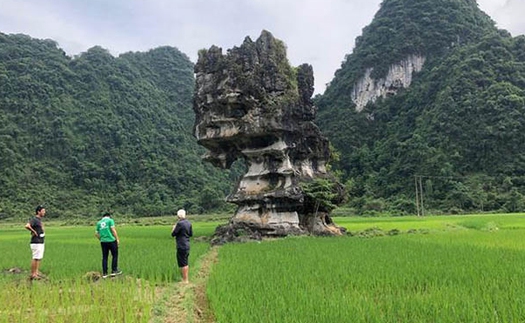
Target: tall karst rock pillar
251 104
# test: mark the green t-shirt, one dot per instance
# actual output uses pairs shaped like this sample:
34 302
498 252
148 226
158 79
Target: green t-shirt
104 229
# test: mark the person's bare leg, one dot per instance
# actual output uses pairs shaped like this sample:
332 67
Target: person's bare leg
38 272
35 263
184 271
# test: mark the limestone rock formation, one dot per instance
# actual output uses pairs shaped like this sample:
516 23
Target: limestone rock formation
250 104
399 76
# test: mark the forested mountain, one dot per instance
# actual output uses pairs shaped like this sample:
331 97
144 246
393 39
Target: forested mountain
96 131
455 134
430 104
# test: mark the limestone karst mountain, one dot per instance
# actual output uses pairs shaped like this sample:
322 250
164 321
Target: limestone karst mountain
429 104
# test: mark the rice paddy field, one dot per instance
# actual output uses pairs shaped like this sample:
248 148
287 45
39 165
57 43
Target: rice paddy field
72 257
395 269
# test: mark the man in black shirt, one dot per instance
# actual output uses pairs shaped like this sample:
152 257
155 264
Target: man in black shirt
36 227
182 232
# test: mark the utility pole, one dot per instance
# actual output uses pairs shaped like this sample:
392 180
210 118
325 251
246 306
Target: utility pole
421 195
417 195
418 183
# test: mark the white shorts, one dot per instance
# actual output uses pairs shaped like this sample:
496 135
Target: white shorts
38 250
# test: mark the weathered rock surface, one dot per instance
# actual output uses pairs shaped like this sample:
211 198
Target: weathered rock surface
399 76
251 104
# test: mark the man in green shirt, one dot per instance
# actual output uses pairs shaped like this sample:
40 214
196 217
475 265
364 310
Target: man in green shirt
109 241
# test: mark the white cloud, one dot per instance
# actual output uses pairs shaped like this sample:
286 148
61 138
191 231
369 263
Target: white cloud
506 13
317 32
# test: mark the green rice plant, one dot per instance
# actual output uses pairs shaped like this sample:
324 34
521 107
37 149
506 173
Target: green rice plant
434 223
146 255
460 272
442 277
112 300
145 252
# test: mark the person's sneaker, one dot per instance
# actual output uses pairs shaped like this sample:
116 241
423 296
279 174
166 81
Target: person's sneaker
115 273
105 276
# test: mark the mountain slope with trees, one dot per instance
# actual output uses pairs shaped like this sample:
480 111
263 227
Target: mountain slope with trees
96 131
458 131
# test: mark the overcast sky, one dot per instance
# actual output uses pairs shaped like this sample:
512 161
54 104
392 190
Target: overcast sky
318 32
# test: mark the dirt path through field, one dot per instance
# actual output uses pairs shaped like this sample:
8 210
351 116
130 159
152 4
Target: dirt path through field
188 302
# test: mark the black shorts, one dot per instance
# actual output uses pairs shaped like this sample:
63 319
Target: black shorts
182 257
